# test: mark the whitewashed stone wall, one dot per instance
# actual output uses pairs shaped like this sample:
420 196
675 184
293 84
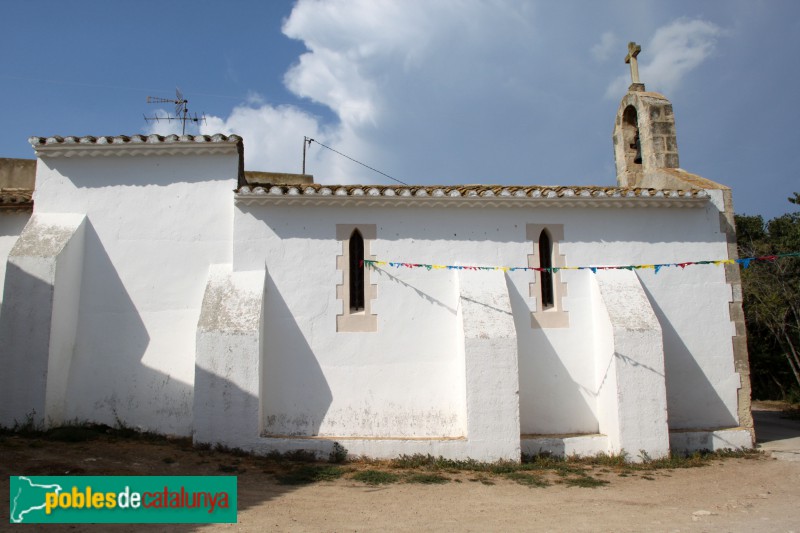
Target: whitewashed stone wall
325 373
10 228
153 225
38 319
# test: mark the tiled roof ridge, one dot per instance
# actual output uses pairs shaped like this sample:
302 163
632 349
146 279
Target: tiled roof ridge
518 191
102 140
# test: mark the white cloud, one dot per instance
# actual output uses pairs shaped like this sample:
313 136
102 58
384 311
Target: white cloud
159 123
273 136
676 50
603 50
356 48
451 91
366 61
329 77
396 73
254 99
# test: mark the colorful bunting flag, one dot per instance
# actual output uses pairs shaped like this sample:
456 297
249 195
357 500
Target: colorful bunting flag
745 262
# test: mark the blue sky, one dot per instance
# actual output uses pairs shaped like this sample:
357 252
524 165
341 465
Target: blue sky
436 91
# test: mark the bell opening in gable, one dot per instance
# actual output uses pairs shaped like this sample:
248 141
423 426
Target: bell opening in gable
633 142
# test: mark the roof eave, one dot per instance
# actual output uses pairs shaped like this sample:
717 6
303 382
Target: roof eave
136 145
471 201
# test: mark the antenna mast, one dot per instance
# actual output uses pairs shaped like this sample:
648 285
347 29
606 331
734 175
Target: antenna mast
181 110
306 143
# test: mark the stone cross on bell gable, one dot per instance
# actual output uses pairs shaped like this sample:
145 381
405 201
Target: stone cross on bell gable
633 51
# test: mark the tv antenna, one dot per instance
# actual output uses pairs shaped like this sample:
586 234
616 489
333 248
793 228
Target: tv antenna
181 110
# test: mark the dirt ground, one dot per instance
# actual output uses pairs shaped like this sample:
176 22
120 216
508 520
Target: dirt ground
735 494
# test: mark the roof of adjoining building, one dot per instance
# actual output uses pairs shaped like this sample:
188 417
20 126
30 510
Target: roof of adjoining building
16 200
17 179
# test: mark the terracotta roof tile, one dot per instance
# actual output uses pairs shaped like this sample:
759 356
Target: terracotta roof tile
577 195
130 139
134 145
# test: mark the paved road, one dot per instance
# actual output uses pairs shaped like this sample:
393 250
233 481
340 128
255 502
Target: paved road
778 436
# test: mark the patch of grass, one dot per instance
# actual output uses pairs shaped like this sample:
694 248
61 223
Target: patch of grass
76 432
124 431
739 453
427 479
693 460
528 479
72 431
338 454
328 472
236 452
647 465
311 473
503 467
562 466
376 477
571 467
26 428
300 456
673 461
585 482
603 459
293 456
413 461
429 462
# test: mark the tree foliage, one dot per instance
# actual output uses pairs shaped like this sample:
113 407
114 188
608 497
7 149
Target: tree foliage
771 298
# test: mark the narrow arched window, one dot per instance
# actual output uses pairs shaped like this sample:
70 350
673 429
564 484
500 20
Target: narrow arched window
546 274
356 270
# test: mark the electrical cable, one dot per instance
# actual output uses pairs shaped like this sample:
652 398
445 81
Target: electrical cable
310 140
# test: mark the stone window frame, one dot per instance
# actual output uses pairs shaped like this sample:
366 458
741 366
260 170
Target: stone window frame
348 320
546 283
554 316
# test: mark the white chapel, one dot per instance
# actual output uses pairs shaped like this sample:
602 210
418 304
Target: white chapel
155 282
